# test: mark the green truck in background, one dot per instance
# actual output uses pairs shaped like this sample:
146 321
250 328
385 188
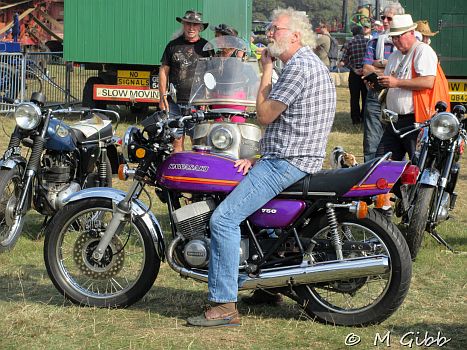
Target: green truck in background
449 17
124 40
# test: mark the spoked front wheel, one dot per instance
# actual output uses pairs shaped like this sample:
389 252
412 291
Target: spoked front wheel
10 224
127 270
358 301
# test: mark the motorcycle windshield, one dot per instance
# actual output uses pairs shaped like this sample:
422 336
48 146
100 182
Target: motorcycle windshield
226 42
225 81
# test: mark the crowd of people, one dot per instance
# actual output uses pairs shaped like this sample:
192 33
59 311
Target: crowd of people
297 112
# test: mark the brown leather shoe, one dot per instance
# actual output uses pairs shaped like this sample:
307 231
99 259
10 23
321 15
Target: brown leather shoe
263 296
219 315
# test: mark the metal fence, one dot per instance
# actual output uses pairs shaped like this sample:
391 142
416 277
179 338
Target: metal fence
22 74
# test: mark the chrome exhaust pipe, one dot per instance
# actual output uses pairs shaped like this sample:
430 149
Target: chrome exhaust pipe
295 275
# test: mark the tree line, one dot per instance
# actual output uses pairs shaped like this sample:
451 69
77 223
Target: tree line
329 11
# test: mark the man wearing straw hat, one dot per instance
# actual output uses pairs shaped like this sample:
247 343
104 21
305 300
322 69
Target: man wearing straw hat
178 64
424 28
412 55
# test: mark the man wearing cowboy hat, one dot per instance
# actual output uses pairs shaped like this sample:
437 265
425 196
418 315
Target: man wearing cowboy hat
178 64
412 56
423 27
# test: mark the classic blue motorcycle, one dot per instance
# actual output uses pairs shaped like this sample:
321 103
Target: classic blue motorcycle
62 160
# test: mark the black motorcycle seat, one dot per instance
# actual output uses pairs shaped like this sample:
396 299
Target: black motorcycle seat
102 134
328 182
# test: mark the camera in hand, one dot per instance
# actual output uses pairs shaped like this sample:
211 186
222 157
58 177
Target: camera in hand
373 78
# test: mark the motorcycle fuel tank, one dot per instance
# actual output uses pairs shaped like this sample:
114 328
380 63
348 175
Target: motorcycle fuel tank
199 171
59 137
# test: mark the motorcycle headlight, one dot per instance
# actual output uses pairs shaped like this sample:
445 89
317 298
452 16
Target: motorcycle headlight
128 139
221 138
28 116
444 126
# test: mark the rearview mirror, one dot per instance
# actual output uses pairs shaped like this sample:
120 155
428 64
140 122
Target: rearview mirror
388 116
173 92
209 81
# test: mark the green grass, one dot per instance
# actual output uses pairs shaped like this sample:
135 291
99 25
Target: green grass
36 316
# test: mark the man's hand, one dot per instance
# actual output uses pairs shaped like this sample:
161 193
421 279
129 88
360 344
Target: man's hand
388 81
163 103
266 60
243 165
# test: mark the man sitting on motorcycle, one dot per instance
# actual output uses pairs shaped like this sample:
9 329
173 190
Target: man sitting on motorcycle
298 111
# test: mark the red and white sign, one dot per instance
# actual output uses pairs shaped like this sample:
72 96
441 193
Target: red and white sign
125 93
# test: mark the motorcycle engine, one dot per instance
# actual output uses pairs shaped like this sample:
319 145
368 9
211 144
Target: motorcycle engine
192 223
55 182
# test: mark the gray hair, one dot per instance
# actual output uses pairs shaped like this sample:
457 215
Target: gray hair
395 7
298 22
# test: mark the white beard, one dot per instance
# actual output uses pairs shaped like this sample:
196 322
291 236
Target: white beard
278 47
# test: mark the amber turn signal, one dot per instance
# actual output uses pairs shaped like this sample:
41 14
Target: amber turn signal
362 210
140 153
121 172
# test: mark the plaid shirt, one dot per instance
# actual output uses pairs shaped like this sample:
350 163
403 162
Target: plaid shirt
355 50
300 133
370 54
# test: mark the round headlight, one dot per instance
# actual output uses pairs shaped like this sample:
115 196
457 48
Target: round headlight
221 138
28 116
128 139
444 126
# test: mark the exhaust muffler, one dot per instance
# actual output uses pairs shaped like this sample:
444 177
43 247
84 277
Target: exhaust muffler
298 274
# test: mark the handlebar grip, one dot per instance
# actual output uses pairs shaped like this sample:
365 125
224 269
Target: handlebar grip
174 123
406 128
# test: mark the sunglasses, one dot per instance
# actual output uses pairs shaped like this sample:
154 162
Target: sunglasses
272 29
398 36
386 17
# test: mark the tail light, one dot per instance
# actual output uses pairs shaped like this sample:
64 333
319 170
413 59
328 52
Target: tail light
410 175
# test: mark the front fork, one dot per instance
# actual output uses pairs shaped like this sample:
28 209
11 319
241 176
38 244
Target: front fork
31 168
121 213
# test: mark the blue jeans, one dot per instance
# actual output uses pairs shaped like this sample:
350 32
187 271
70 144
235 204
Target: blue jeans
372 127
264 181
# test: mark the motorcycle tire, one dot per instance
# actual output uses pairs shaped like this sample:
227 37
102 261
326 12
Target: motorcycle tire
417 223
122 277
337 303
10 189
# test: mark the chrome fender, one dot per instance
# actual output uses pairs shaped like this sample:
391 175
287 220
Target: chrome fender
430 177
137 208
11 163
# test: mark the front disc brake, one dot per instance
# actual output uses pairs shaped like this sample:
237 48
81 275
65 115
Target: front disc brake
111 263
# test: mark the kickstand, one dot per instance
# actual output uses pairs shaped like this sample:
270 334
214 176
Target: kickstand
441 240
41 231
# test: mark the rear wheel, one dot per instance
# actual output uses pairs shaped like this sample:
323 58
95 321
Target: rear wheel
419 219
123 276
358 301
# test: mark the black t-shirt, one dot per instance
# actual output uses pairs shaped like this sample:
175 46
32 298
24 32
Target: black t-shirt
181 56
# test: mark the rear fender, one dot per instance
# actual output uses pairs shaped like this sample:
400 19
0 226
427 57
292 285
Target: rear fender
430 177
137 208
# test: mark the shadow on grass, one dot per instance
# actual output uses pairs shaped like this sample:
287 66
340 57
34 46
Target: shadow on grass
30 284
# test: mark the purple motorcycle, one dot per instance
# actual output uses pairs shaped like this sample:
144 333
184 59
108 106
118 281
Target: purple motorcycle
317 242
